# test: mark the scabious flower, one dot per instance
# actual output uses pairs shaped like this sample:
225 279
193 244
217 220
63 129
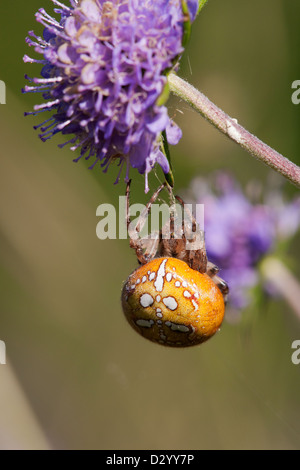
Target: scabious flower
104 69
240 231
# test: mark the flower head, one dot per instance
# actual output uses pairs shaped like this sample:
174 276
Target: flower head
239 232
104 68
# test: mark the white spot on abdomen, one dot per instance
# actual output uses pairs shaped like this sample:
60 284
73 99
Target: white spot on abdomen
159 282
144 323
176 327
158 313
170 303
146 300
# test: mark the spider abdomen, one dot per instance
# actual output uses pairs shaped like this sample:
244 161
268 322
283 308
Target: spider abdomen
169 303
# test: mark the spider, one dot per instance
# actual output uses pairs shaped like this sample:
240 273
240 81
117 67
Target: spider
175 297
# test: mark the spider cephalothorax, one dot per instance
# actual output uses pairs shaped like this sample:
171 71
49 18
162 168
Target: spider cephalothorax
175 297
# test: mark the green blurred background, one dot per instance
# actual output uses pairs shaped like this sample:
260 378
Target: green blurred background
77 376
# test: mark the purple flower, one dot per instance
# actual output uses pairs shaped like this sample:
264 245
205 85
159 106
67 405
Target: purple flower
240 232
104 68
193 8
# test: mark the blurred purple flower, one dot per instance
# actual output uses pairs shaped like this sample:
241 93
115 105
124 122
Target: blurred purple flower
239 232
104 68
193 8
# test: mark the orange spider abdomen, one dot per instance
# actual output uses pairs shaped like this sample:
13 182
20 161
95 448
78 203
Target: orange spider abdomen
169 303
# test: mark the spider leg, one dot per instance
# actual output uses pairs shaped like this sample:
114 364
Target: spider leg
150 245
194 223
197 258
212 269
128 218
142 219
134 241
222 285
138 244
172 240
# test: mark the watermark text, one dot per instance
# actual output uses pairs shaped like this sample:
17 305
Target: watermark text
2 352
296 354
2 92
161 220
296 94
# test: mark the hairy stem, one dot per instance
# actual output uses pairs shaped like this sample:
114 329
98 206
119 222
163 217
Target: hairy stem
233 130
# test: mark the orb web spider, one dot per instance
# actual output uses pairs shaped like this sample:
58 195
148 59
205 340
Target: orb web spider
175 298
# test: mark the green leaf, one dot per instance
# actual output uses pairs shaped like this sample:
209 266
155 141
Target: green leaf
201 5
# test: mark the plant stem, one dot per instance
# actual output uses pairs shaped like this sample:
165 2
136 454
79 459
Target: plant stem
233 130
284 282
